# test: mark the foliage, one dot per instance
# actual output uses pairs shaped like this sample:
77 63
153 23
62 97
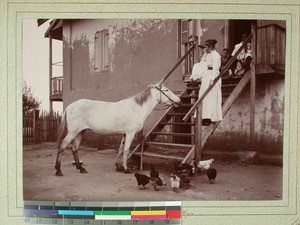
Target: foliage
30 102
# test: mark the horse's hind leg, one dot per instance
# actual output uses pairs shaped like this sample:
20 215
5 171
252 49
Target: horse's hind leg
67 140
121 149
75 146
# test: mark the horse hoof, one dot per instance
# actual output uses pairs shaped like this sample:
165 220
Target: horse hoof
59 173
127 171
83 171
119 168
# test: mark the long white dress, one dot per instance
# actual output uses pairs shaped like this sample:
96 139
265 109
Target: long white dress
212 103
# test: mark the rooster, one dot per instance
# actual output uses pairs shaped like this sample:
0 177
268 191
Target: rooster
211 174
204 164
175 182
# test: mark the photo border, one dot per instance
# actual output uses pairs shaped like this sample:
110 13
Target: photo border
283 211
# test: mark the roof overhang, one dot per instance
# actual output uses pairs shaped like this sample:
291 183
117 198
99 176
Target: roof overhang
55 29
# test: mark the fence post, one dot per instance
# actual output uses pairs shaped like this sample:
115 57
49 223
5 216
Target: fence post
35 125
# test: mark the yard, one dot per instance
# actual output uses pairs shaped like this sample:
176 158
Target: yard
103 183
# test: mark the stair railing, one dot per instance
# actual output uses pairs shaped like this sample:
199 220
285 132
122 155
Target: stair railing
178 63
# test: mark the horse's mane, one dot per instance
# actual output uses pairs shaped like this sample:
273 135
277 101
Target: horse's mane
143 96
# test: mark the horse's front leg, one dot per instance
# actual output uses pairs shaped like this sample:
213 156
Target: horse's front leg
128 141
121 149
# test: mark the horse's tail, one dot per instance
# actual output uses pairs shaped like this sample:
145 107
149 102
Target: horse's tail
63 129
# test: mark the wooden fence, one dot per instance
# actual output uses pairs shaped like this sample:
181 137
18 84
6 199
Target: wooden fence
40 126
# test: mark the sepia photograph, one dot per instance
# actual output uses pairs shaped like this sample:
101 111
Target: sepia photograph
153 109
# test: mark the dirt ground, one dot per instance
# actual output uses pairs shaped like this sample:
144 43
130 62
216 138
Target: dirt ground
104 183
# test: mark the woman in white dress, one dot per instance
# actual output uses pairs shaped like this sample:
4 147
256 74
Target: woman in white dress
206 71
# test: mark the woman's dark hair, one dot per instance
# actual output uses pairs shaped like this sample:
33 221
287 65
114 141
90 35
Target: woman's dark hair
211 42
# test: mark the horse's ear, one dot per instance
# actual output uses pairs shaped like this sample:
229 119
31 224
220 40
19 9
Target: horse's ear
160 83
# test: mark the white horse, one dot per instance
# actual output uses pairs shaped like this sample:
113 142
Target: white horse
124 117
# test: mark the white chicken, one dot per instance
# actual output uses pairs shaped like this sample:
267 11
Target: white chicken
204 164
175 181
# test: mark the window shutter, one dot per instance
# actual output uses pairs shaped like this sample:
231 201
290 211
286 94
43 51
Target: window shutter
101 55
106 51
96 51
184 31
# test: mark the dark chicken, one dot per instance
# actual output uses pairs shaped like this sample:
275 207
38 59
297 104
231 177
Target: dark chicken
185 178
157 182
184 166
142 179
154 173
211 174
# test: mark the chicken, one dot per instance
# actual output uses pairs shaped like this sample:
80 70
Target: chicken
142 179
185 178
204 164
157 182
185 166
175 182
211 174
154 173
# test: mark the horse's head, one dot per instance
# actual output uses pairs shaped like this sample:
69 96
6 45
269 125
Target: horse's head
165 95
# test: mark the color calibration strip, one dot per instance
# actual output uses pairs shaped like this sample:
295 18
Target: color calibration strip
106 213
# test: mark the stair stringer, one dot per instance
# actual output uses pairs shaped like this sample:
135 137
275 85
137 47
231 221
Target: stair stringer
225 107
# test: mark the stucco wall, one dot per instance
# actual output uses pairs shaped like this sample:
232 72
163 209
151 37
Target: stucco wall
212 29
234 131
141 52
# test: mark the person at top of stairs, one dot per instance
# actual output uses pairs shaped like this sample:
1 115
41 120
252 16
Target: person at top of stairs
206 71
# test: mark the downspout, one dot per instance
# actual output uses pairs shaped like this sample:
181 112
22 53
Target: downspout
50 72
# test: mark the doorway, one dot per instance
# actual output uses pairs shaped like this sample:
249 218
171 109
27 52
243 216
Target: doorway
236 29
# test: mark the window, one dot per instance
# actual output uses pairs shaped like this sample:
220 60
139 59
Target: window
184 27
101 58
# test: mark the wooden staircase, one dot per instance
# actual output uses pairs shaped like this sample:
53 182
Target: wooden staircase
172 138
178 135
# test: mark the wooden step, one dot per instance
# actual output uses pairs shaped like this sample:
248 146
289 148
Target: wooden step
176 114
193 88
189 96
185 105
229 85
179 124
159 156
173 134
225 94
169 145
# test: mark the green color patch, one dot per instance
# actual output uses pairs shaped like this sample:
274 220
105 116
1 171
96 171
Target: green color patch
115 213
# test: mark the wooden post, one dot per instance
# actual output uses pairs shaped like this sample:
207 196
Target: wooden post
252 89
141 137
33 126
198 133
50 72
196 51
226 34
